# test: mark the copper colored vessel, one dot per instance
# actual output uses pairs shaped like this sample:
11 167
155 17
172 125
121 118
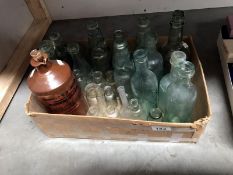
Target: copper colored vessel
55 86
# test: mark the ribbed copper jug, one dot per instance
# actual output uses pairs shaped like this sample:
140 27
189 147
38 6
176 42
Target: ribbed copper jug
55 86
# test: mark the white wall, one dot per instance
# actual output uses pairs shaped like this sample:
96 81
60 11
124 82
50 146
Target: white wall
15 19
68 9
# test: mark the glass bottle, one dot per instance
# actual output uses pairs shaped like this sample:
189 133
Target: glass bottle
100 60
155 59
98 78
136 111
124 102
181 95
48 47
109 96
90 91
144 83
176 58
155 114
93 111
79 63
111 111
144 30
60 48
175 38
123 67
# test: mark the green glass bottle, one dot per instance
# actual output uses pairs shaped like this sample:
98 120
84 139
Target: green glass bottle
48 47
155 59
176 57
181 95
144 82
144 30
123 67
175 39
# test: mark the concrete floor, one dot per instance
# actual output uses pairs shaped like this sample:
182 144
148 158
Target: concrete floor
25 150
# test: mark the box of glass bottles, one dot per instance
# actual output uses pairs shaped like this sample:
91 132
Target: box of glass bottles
92 127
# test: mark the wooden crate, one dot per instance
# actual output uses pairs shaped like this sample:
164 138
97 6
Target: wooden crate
59 125
88 127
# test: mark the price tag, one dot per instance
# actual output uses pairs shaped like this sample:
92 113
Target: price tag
161 128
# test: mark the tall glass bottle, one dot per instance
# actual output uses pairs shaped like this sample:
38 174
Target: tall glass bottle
48 47
181 95
144 82
99 58
60 48
144 30
175 38
155 59
123 67
176 58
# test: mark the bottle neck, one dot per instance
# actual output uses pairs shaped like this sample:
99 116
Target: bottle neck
175 35
141 66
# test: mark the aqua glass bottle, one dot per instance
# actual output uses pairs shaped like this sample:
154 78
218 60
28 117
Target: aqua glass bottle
176 58
123 66
60 48
48 47
79 63
144 82
155 59
144 30
175 38
181 95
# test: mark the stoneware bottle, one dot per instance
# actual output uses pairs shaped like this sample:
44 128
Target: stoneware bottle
54 85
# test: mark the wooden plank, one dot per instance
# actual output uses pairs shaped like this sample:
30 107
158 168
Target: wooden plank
38 10
11 76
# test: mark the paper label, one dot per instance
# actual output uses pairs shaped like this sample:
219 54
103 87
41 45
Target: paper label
161 128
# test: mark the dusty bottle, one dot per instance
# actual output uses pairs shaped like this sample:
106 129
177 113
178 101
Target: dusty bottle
60 48
144 82
175 39
54 85
144 32
176 58
123 66
181 95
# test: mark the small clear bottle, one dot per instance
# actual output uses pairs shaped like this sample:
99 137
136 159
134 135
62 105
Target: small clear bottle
124 102
111 111
144 82
136 111
90 93
181 95
109 96
176 58
93 111
48 47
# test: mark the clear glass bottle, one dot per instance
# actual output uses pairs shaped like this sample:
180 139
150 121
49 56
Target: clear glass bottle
175 38
176 58
124 102
48 47
111 111
123 67
60 48
144 83
155 59
79 63
90 93
93 111
109 96
136 111
144 30
181 95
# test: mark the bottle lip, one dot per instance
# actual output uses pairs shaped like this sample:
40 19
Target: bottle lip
143 22
73 48
186 69
177 56
54 36
98 53
156 113
140 56
92 25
